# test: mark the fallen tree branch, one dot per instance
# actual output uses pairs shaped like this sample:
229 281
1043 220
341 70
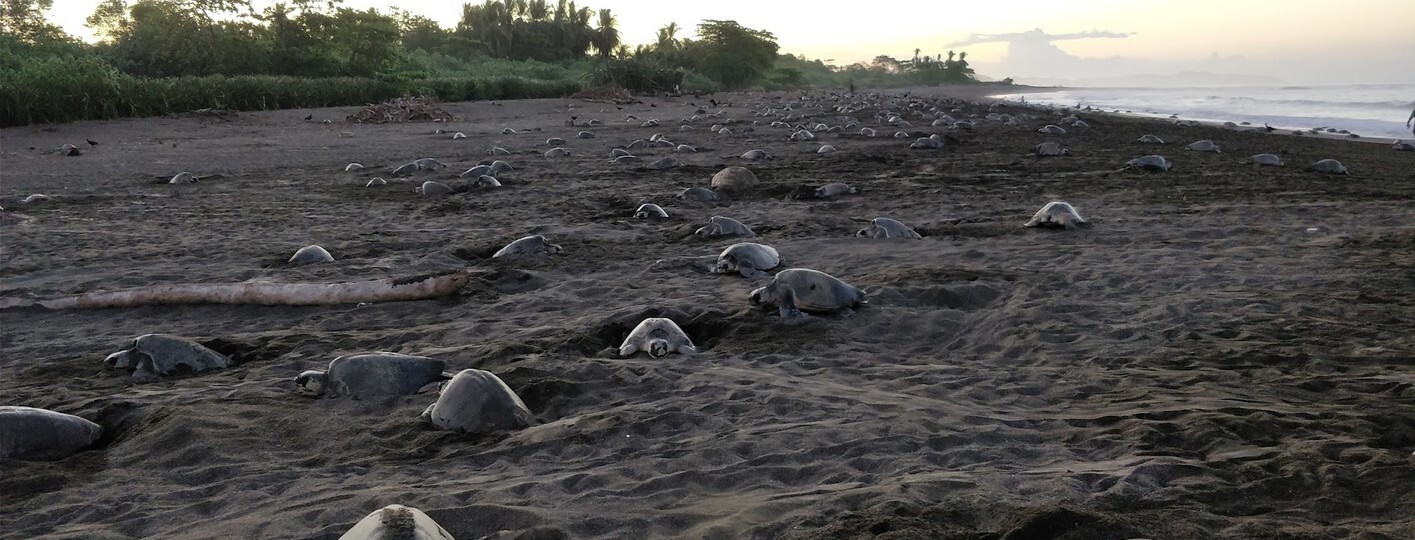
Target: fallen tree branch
261 293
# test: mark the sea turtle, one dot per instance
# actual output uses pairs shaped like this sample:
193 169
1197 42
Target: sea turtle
698 194
684 149
310 254
1150 139
626 158
69 150
1056 214
833 190
665 162
1328 166
932 142
1150 163
499 167
31 434
1052 129
397 522
353 167
153 356
650 211
530 245
754 155
498 151
734 179
433 189
557 152
183 178
1050 148
486 181
883 227
476 172
1204 146
459 135
585 135
1270 160
825 149
370 375
748 259
1402 146
555 141
724 226
477 401
376 181
619 152
798 290
659 337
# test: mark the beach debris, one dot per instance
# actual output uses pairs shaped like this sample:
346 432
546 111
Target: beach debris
1268 160
530 245
1151 163
477 401
1056 214
747 258
734 179
396 521
796 291
833 190
1050 148
433 189
400 110
1150 139
260 293
883 227
1328 166
32 434
650 210
370 375
311 254
1203 146
153 356
659 337
724 226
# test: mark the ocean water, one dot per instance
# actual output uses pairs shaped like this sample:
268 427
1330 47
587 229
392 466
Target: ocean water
1373 110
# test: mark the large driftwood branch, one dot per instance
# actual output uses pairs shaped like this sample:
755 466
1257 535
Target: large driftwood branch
261 293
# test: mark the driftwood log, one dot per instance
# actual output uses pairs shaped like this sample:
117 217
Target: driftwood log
260 293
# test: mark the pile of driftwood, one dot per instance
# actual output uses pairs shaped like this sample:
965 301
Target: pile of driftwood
404 109
606 94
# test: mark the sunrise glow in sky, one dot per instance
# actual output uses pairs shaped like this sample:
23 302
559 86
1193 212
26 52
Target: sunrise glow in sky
1364 39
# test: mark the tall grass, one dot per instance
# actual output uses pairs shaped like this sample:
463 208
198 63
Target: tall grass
65 88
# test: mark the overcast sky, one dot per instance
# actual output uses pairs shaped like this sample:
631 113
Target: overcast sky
1304 41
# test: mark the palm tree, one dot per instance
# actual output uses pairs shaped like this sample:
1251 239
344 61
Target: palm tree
605 38
668 37
538 10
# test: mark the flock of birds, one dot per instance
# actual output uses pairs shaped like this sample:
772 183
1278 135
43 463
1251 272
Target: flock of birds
477 401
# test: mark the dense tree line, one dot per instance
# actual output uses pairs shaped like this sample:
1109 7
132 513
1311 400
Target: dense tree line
500 48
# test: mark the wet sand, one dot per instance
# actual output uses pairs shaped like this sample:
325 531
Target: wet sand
1224 352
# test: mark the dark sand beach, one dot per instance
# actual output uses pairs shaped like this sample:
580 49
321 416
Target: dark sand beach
1225 352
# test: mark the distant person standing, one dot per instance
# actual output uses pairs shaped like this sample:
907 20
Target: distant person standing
1410 122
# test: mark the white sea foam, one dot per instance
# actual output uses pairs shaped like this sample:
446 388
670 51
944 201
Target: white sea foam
1377 110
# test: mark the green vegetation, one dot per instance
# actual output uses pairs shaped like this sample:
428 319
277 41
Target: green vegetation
165 56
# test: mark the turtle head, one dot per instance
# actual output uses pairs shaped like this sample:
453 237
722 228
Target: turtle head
312 383
120 360
658 347
864 232
765 295
703 231
726 265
